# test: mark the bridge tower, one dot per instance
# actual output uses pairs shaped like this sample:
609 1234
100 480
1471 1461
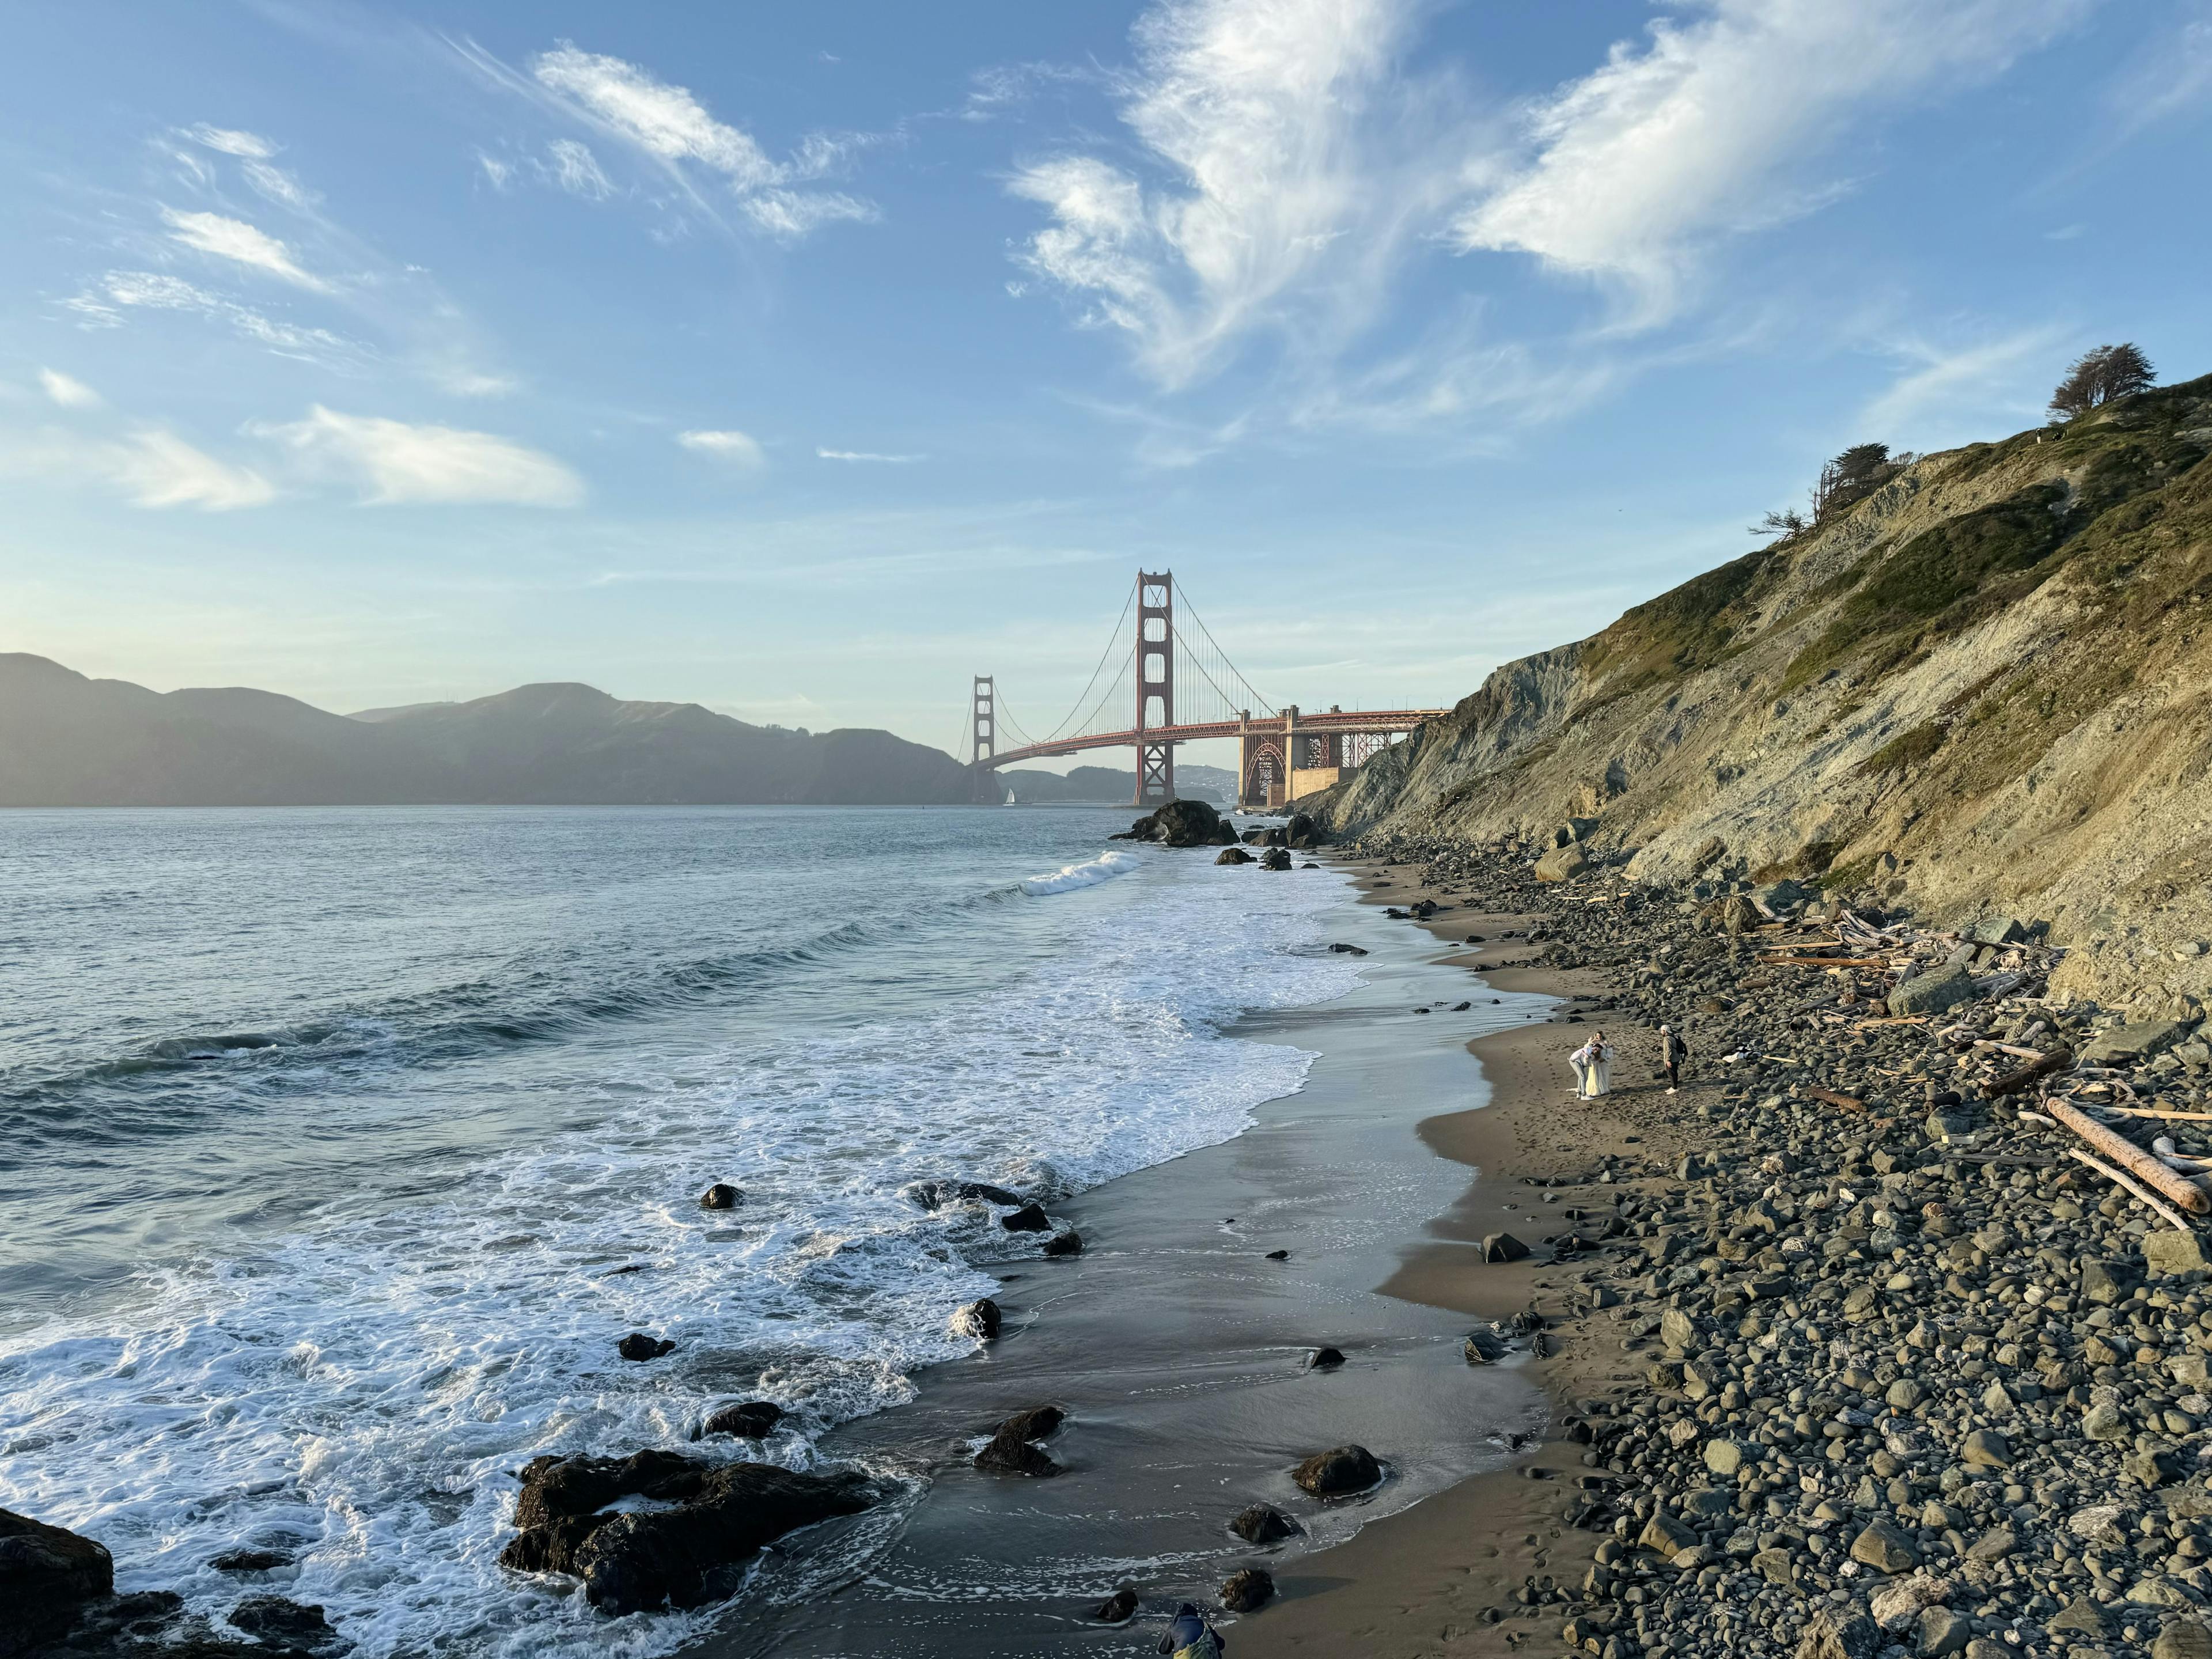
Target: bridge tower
1155 686
983 707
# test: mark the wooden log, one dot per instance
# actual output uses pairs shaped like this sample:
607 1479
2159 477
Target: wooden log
2013 1082
2165 1211
2171 1117
2132 1158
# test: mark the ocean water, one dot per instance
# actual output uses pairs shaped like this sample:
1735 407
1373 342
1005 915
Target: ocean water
338 1147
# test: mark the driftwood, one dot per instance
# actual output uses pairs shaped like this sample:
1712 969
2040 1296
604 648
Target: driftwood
2132 1158
2165 1212
1841 1103
2013 1082
2170 1117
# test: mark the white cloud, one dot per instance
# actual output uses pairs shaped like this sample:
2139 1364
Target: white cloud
396 463
864 455
739 449
495 170
1702 131
102 305
576 170
233 239
66 390
230 140
1300 164
671 125
153 467
279 185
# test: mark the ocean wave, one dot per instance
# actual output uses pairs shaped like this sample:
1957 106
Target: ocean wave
1072 877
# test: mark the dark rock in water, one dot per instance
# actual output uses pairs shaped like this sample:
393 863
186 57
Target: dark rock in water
1308 864
1461 1007
1009 1451
685 1555
936 1195
1066 1244
1502 1247
1347 1469
1347 950
979 1318
749 1421
1246 1589
1484 1346
1035 1424
720 1196
1119 1608
134 1625
558 1487
282 1624
1278 1256
1233 856
1181 824
46 1574
1029 1219
1262 1523
637 1346
250 1561
1274 859
1325 1359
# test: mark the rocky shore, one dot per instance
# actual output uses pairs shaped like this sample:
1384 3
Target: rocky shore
1853 1352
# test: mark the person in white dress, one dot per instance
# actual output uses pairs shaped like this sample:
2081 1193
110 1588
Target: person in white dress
1593 1064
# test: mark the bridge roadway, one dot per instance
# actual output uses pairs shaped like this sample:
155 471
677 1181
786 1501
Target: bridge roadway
1347 722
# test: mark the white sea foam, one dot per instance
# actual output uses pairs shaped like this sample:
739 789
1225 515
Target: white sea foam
1067 879
357 1394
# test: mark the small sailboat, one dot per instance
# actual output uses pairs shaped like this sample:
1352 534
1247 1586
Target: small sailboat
1009 800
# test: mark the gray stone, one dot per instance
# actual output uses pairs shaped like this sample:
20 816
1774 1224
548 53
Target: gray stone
1932 992
2185 1638
1839 1633
1942 1632
1562 863
1997 930
2105 1282
1897 1607
1503 1246
2104 1421
1668 1536
1885 1549
1985 1449
1678 1330
2080 1617
1724 1457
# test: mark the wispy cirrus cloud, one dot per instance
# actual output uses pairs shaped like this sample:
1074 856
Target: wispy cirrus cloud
394 462
66 390
576 170
740 450
866 455
671 127
1708 128
1945 393
104 302
150 467
235 239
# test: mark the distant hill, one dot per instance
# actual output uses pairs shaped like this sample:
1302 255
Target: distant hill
1104 784
66 740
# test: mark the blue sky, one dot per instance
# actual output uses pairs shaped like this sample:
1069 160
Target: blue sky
803 360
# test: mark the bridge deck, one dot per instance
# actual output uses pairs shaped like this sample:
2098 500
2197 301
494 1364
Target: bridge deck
1345 721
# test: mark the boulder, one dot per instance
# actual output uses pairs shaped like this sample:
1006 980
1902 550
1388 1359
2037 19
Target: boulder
1502 1247
1119 1608
1839 1633
1346 1469
935 1195
1943 1631
1931 992
1066 1244
1885 1549
1010 1449
1324 1359
2166 1252
1233 856
1029 1219
1262 1523
1037 1422
689 1554
282 1624
1562 863
2144 1040
638 1347
1347 950
720 1196
1667 1536
1484 1346
1997 930
250 1561
1985 1449
1246 1589
47 1576
752 1420
1274 859
2185 1638
979 1319
1181 824
1301 832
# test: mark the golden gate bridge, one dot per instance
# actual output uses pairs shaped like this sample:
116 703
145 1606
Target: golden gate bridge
1175 685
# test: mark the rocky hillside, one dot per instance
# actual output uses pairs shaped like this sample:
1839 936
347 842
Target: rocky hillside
66 740
1987 686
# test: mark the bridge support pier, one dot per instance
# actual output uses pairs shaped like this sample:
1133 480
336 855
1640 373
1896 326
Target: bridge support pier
983 710
1155 687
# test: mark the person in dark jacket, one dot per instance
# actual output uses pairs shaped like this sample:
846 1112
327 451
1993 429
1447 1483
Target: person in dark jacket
1673 1051
1190 1637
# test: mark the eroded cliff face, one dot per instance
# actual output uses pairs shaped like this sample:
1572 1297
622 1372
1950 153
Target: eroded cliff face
1986 687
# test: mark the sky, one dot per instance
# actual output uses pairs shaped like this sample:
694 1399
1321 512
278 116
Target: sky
804 360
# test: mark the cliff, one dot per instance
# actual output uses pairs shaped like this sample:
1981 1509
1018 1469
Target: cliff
1986 686
66 740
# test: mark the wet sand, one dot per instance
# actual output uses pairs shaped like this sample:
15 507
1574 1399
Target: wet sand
1180 1352
1441 1578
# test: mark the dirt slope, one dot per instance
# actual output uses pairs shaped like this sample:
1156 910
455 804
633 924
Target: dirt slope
1986 687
